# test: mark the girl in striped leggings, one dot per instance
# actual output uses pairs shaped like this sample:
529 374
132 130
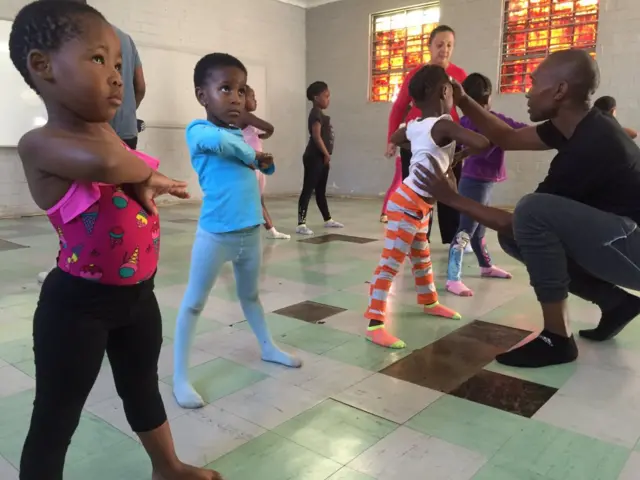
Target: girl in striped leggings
433 138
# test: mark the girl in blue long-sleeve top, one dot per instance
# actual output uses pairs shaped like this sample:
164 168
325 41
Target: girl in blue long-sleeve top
231 215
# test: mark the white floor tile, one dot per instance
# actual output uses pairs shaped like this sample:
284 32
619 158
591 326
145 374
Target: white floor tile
165 362
7 471
325 376
103 389
269 403
111 410
631 470
408 455
13 381
349 321
388 397
204 435
607 422
599 402
225 339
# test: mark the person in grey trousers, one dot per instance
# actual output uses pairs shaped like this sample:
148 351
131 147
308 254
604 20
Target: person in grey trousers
578 233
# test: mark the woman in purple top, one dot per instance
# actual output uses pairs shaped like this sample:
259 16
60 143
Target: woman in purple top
480 173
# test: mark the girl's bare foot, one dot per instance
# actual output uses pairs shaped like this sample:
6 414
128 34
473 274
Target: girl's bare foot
186 472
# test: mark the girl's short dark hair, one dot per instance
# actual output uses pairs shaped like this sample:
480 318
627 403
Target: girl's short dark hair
211 62
606 103
478 87
46 26
423 83
440 29
315 89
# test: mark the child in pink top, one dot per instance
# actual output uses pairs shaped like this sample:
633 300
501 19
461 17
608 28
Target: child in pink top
98 195
254 131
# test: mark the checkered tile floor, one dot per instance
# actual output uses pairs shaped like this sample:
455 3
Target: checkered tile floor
440 409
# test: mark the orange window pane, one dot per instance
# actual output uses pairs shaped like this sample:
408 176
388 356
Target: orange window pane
535 28
399 44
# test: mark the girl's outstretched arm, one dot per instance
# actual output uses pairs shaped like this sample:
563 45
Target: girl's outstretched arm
216 140
101 159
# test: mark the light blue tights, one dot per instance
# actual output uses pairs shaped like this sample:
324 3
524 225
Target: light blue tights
210 252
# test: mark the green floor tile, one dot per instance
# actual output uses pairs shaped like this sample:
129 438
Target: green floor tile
361 353
510 472
92 435
555 376
170 315
271 457
316 339
219 378
27 367
126 460
348 474
467 424
419 330
278 324
17 350
20 329
558 454
346 300
336 431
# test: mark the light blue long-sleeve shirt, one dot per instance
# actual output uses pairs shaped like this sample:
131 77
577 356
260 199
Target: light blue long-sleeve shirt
221 158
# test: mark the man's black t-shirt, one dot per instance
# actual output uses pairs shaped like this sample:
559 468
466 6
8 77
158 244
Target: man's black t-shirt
326 132
598 166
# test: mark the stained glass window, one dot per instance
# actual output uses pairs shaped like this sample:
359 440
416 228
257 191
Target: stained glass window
535 28
399 43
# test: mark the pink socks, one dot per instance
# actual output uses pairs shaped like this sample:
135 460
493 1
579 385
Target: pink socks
460 289
494 272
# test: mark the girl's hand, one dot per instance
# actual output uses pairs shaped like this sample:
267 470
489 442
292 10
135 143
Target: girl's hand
391 150
265 135
156 185
459 156
327 160
265 160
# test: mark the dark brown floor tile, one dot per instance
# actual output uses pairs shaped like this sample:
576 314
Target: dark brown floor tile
449 362
493 334
6 245
336 237
506 393
311 312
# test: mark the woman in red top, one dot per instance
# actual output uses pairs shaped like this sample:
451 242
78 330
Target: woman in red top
441 43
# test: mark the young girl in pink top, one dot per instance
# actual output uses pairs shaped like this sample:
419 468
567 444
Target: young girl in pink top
254 131
98 195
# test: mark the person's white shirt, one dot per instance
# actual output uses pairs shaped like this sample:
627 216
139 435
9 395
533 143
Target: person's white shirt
422 145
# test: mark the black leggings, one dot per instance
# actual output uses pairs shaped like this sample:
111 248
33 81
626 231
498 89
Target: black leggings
316 175
75 322
448 218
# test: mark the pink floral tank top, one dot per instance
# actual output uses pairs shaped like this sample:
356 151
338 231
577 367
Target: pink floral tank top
105 235
251 136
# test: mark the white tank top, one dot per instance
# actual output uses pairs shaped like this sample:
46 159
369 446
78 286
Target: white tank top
419 134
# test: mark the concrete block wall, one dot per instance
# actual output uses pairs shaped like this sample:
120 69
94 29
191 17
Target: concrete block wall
338 52
260 32
331 42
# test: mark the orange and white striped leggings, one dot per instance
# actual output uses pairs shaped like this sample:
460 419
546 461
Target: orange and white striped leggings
406 235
